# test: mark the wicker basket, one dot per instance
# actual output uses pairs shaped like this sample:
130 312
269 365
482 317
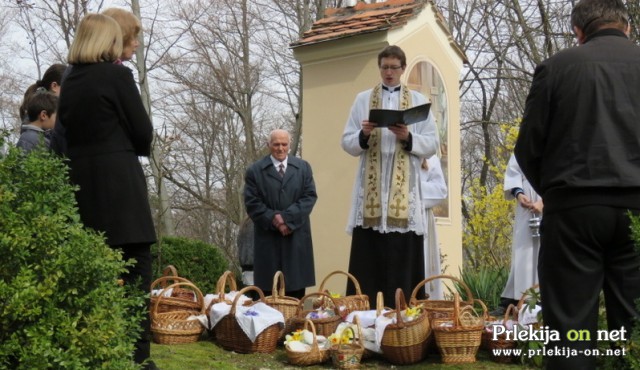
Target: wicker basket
458 338
314 357
440 309
287 305
347 304
324 326
501 342
174 327
226 281
231 337
348 355
405 343
182 298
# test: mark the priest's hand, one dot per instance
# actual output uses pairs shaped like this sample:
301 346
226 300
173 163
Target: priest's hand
400 130
524 201
367 127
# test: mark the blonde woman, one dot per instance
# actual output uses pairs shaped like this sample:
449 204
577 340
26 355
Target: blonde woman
106 129
130 27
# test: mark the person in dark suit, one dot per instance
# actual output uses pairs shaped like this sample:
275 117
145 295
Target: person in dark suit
106 128
279 195
579 147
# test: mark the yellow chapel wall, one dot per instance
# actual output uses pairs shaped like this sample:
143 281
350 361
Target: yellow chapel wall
333 73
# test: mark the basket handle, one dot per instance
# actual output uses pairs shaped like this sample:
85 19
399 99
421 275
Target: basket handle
485 310
299 309
309 325
510 312
199 296
356 323
170 270
227 279
413 300
241 293
163 281
401 305
379 303
278 279
351 277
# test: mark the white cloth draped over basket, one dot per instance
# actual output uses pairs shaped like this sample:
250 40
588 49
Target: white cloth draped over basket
252 319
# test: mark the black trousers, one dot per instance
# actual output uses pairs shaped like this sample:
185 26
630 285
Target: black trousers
140 270
584 251
385 262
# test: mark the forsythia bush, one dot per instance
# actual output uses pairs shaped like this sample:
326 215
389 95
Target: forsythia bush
487 236
60 304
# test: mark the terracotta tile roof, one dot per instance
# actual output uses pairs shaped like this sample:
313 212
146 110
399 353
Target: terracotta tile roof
362 18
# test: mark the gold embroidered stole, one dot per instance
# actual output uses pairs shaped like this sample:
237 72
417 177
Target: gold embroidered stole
398 203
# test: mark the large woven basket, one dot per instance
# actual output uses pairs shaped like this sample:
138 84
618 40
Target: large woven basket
348 355
458 338
496 347
316 356
182 297
440 309
287 305
405 343
225 284
347 304
324 326
231 337
175 327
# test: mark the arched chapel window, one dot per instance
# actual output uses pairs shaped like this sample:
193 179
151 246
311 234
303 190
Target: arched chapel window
425 78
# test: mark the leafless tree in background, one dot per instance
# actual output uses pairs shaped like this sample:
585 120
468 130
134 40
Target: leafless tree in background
218 75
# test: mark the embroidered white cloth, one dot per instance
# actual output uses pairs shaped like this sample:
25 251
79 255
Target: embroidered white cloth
252 319
380 325
227 296
367 318
528 316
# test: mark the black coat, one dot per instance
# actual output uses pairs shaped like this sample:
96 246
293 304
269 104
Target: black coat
579 142
293 196
106 129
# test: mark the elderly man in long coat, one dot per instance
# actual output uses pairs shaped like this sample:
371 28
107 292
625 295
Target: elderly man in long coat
279 195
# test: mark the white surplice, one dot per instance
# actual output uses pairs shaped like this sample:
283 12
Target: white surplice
434 191
424 145
525 248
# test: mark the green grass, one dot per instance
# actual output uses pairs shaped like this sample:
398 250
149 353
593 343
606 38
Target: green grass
206 354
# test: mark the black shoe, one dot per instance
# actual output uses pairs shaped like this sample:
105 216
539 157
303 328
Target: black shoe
498 312
150 365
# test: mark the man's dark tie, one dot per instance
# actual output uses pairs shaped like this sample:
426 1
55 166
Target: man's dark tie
281 170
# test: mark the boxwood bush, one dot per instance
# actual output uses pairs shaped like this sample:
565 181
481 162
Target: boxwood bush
60 304
197 261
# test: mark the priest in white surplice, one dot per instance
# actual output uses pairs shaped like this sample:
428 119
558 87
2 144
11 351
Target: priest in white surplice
434 191
525 247
387 218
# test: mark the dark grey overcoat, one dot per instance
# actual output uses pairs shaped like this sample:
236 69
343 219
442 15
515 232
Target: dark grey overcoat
265 194
107 128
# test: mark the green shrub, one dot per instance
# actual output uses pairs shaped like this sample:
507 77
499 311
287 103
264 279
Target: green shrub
199 262
485 283
60 304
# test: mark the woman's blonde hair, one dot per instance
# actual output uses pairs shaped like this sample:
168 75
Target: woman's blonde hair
129 23
98 39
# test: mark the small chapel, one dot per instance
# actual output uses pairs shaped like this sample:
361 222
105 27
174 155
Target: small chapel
338 56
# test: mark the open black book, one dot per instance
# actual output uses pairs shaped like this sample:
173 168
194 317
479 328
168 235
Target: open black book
388 117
